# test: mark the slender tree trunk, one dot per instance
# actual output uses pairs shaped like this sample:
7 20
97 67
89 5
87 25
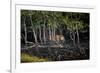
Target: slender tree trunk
33 30
72 36
46 33
44 37
49 49
78 40
49 33
25 29
40 34
35 36
74 39
54 33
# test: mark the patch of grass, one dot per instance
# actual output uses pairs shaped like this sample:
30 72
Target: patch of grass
27 58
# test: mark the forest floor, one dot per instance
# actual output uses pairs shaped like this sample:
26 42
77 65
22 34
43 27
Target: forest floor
43 54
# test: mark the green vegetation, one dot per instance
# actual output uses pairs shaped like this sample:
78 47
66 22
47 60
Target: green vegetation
27 58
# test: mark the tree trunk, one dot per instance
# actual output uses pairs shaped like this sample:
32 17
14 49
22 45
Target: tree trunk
78 41
36 33
74 39
33 29
35 36
25 29
46 34
44 37
49 33
40 34
72 36
54 33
